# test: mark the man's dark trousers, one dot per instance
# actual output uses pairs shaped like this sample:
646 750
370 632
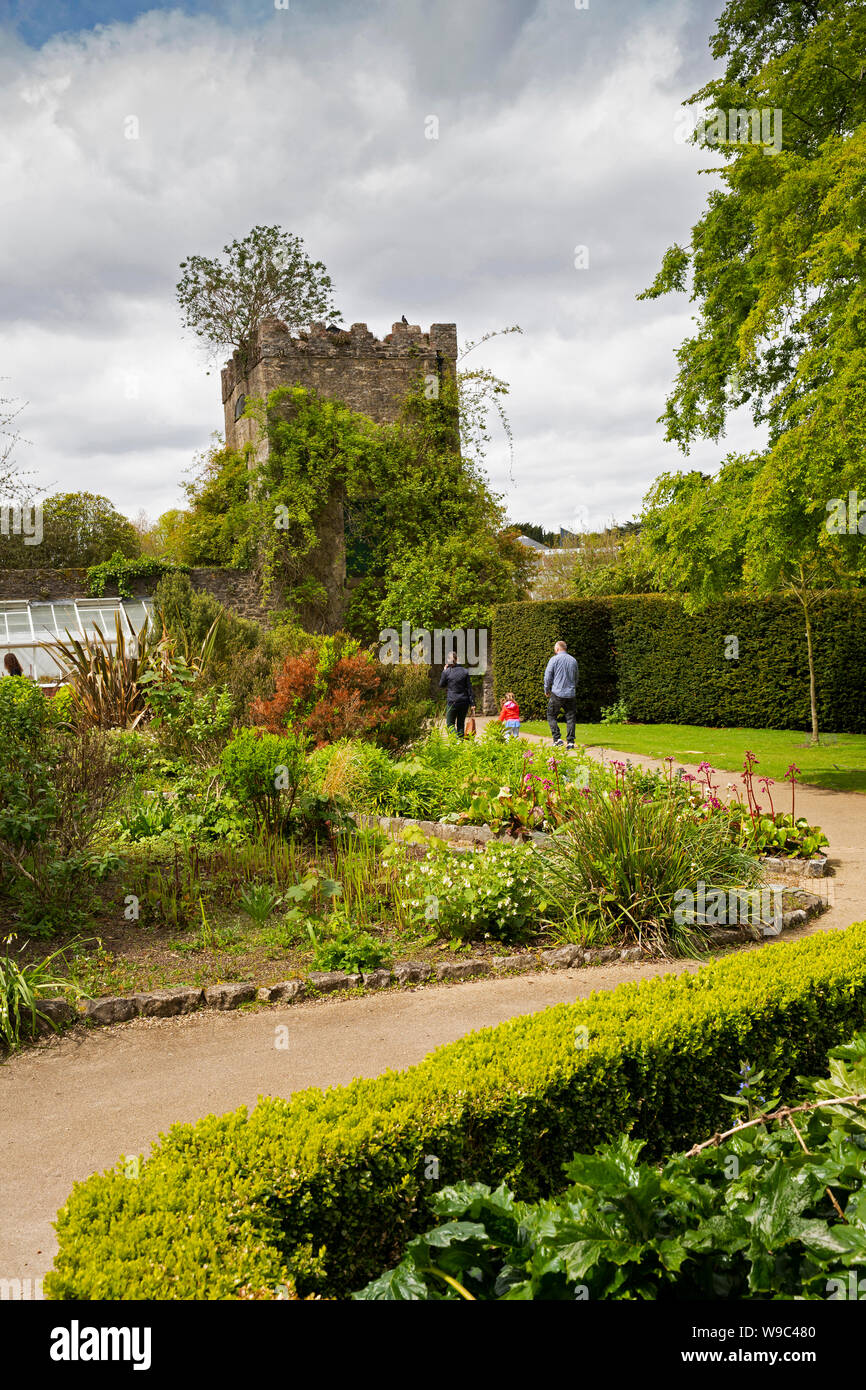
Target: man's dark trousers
567 705
455 716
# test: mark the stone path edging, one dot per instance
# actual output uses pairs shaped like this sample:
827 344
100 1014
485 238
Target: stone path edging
185 999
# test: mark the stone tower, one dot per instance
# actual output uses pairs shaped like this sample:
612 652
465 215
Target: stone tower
367 374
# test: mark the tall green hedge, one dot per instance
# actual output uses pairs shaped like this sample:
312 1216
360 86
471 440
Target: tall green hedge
327 1187
523 639
670 667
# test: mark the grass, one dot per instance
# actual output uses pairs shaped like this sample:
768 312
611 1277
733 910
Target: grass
837 763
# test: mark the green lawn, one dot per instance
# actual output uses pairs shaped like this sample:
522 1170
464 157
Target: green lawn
839 762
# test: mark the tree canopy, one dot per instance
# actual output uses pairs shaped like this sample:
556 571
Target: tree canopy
266 273
79 529
776 263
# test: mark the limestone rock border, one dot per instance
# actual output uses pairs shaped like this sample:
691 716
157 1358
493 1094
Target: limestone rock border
185 999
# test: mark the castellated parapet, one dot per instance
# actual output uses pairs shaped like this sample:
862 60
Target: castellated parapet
366 373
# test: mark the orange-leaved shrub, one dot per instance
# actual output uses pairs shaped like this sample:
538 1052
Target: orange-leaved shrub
341 692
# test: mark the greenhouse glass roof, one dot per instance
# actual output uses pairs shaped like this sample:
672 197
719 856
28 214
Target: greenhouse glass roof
25 626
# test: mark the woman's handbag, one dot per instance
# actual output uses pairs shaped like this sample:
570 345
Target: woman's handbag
469 726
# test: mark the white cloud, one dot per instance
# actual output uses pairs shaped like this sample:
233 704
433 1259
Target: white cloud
557 127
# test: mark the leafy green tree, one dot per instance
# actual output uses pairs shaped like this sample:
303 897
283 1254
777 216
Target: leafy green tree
453 582
267 273
777 260
536 533
79 529
776 265
749 529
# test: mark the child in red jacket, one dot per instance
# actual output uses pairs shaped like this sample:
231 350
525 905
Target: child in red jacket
509 715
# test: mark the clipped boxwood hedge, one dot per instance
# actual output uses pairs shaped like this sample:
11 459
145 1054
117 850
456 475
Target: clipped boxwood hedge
327 1187
670 666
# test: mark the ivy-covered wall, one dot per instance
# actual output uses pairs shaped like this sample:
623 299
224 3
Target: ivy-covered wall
741 662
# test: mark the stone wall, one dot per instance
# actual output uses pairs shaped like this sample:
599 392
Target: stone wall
43 584
239 590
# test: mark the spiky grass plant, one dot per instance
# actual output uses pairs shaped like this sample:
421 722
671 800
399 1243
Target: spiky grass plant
21 988
618 871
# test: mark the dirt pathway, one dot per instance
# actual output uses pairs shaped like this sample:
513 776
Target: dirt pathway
73 1104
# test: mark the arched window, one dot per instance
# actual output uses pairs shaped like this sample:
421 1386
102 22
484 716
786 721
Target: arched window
240 405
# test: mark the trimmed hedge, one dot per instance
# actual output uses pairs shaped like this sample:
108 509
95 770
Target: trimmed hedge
523 637
327 1188
670 666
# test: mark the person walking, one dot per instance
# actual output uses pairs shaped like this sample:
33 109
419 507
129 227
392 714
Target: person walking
459 697
560 687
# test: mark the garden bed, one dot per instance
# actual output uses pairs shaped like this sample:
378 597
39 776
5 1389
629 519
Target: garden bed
799 907
322 1192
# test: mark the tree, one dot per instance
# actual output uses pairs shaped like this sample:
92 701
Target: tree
748 529
167 537
777 266
536 533
79 529
13 489
777 260
454 581
268 273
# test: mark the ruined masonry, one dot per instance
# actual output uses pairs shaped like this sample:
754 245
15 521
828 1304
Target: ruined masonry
367 374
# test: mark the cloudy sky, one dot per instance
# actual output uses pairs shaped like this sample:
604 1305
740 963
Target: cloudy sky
558 128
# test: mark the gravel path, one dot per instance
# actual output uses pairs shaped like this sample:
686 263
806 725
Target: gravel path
71 1105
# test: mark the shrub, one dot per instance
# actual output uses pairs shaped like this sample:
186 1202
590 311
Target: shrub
617 713
340 693
523 636
620 865
327 1187
62 705
105 676
490 893
21 988
751 1218
55 791
345 948
265 772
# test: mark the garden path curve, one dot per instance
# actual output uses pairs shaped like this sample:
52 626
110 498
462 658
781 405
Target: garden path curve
72 1104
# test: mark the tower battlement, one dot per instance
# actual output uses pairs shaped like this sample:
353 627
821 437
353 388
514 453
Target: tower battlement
366 373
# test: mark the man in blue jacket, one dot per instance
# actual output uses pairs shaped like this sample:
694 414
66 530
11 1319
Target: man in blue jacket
560 687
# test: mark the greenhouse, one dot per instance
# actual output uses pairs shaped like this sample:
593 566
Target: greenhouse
25 627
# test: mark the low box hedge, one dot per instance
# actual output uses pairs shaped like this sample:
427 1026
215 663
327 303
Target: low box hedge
326 1188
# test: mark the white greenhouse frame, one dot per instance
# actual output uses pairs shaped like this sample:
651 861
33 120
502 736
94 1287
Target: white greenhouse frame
26 625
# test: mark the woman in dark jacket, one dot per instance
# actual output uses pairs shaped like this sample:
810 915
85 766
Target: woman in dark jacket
459 698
